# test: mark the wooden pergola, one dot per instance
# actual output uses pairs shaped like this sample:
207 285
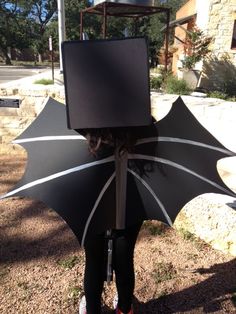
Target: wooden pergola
106 9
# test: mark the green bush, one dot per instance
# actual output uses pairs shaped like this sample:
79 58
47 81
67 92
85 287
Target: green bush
155 82
217 94
230 87
173 85
221 95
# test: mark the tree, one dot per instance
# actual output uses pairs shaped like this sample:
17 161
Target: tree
29 24
196 47
41 14
14 28
23 24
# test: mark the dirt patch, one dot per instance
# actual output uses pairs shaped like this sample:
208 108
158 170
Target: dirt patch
41 266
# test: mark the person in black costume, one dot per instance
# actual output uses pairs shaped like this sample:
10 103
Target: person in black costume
99 140
123 251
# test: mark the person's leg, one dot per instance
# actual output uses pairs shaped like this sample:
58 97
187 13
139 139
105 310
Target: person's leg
124 266
94 273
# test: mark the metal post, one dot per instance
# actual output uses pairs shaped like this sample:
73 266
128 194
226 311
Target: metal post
136 20
61 28
52 57
121 164
167 39
104 20
109 256
81 25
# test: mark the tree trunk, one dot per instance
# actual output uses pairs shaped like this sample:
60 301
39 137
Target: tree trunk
40 59
7 58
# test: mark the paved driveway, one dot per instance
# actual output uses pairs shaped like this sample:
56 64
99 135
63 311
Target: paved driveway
12 73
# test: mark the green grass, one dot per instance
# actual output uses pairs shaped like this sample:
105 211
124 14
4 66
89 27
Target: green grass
187 235
197 242
74 292
33 63
154 227
44 81
163 272
69 262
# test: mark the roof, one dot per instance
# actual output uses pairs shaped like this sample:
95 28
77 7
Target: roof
181 21
125 10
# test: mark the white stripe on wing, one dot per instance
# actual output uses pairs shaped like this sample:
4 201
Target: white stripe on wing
160 204
180 167
107 184
49 138
183 141
57 175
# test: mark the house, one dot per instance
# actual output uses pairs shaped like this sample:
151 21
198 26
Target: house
217 19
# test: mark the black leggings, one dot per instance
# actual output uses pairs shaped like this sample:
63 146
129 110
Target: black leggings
123 252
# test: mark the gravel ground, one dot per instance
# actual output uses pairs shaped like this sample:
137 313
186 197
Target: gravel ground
41 263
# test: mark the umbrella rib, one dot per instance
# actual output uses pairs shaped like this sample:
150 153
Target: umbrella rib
57 175
180 167
160 204
105 187
49 138
183 141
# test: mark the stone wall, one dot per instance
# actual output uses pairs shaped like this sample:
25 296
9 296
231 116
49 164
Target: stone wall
216 20
13 121
222 14
220 66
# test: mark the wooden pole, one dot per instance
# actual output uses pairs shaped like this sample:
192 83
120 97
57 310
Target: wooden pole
104 20
81 25
167 39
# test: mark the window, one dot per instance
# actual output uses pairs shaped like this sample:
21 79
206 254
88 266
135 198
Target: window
233 44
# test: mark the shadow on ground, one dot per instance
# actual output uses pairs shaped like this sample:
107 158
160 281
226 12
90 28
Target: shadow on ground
221 283
57 239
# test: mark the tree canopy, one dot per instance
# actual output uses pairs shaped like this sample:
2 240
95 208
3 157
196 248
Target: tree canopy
29 23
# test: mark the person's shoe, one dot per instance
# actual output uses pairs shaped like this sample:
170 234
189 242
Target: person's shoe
82 306
115 306
115 302
118 311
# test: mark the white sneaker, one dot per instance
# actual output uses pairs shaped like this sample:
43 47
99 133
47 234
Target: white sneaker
82 306
115 301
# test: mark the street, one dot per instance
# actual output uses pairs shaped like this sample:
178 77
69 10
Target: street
11 73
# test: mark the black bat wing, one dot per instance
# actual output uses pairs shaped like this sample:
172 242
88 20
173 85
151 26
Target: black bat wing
174 162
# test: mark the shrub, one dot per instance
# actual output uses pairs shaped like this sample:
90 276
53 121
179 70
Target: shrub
217 94
196 47
230 87
155 82
173 85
